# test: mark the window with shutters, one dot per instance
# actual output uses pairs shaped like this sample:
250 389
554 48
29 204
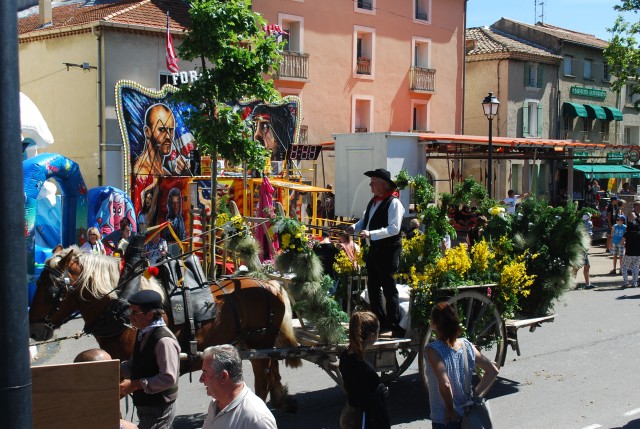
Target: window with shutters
532 75
422 11
588 69
532 118
567 65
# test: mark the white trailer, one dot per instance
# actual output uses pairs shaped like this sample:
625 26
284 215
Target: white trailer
360 152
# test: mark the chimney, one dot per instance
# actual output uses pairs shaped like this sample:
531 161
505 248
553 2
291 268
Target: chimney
44 9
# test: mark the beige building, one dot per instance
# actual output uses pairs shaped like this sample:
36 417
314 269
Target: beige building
524 78
361 66
561 74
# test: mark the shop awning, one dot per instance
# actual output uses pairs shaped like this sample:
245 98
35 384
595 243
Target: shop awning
573 109
595 112
612 113
604 171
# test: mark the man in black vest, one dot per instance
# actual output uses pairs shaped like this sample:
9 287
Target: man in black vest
151 375
380 226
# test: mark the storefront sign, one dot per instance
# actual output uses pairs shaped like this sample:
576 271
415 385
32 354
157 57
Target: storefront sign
580 157
633 156
588 92
615 157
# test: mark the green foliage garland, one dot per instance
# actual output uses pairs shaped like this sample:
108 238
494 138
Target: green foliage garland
309 287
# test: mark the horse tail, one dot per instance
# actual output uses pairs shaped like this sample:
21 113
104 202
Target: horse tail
287 336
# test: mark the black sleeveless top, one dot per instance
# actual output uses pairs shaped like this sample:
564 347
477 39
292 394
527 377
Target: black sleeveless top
380 219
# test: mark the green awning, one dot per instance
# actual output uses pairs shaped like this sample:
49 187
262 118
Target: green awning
573 109
595 112
612 113
604 171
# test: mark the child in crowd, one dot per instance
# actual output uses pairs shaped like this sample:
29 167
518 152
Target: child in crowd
617 232
366 396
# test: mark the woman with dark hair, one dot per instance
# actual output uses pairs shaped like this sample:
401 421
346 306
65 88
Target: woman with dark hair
446 369
366 406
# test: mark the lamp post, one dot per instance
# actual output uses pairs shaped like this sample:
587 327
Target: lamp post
490 106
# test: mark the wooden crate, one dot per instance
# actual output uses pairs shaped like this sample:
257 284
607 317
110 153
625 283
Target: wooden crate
76 395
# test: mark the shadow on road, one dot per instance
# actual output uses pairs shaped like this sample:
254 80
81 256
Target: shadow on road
502 387
637 296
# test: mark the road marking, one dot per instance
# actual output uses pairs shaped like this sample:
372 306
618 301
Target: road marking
632 412
593 426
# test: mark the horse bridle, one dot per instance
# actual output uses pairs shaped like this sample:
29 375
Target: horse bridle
57 292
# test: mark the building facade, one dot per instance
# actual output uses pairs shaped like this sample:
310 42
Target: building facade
362 66
524 78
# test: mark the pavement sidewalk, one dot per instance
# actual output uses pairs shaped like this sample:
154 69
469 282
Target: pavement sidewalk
601 264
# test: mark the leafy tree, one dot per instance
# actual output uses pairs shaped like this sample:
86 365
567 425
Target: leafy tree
235 54
623 52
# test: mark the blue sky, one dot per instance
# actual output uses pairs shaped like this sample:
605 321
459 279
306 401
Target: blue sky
586 16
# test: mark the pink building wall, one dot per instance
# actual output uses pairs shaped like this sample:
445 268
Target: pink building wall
328 38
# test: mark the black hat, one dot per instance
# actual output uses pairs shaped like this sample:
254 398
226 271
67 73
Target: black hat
147 298
383 174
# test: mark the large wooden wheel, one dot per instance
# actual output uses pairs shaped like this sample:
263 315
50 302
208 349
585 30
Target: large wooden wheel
404 357
482 324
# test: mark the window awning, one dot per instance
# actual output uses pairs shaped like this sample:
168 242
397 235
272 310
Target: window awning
604 171
612 113
573 109
595 112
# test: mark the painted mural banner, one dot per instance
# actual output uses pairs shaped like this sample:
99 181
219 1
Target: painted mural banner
160 152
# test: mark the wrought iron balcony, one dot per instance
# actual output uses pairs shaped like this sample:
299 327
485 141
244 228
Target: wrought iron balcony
363 65
295 65
423 79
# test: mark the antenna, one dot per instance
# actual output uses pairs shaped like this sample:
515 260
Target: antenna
536 16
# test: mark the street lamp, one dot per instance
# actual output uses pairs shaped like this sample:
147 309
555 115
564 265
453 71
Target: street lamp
490 106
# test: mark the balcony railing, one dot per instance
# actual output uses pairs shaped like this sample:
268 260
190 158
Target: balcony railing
294 65
423 79
421 15
587 136
363 66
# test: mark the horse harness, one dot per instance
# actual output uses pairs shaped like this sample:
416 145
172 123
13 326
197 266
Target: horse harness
231 300
56 293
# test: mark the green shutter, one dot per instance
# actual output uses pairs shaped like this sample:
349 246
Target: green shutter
539 120
539 81
527 74
525 119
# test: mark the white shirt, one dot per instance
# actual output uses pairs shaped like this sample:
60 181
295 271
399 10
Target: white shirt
511 203
246 411
394 214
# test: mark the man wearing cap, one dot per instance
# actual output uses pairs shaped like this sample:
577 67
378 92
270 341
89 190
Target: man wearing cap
151 375
380 226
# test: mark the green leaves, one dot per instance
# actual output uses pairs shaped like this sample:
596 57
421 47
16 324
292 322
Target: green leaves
235 53
623 54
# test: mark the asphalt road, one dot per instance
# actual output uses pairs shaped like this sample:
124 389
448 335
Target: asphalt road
580 371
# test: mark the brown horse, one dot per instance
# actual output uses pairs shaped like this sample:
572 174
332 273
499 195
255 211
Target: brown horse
250 314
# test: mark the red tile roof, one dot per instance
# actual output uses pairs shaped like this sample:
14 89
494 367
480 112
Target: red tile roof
148 13
489 43
564 34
